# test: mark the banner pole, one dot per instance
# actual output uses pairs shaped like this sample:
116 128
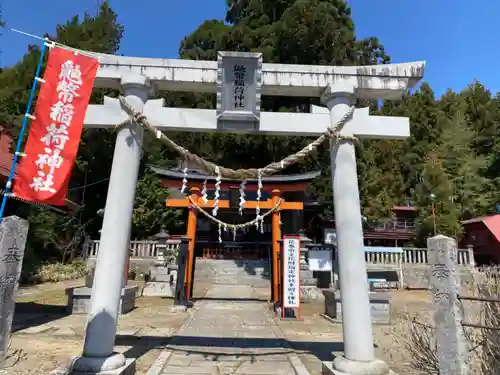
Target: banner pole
27 115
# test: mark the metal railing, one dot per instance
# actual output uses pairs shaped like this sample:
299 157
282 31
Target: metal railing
142 249
146 249
411 255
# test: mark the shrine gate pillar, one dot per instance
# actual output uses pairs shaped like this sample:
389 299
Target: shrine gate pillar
99 344
359 354
276 236
191 235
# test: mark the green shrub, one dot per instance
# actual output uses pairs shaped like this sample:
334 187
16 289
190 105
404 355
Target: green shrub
55 272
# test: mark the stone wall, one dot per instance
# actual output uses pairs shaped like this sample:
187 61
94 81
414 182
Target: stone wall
379 265
415 276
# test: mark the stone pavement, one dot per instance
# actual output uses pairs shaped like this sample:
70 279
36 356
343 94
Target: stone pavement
230 332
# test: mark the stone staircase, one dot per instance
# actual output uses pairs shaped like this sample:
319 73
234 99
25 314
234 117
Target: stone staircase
233 272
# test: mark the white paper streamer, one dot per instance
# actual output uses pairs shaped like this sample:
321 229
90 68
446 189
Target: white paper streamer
204 195
259 195
220 233
184 181
242 196
217 191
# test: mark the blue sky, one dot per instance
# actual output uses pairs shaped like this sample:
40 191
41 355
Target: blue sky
458 39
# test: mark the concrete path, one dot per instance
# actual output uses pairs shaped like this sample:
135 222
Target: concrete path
230 332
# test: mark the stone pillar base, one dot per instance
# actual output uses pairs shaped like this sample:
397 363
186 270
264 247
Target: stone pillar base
116 364
344 366
179 308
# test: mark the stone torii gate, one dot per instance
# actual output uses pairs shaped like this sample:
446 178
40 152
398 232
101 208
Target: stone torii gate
336 86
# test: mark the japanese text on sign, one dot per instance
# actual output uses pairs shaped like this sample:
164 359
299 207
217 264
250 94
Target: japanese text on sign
56 127
291 270
61 113
239 85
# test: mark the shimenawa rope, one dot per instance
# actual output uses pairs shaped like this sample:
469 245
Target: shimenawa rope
239 174
236 226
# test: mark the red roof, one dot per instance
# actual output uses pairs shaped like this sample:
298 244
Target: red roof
491 222
5 155
5 163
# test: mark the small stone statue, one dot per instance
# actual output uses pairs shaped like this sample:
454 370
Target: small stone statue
170 254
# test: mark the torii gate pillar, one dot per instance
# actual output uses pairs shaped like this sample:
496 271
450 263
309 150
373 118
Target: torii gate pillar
359 352
98 350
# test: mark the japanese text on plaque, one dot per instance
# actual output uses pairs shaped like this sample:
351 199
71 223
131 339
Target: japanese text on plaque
239 86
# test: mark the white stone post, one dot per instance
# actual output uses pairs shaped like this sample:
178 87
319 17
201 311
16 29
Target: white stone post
100 334
359 354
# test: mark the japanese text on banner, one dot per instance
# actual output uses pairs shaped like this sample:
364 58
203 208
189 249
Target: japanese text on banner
55 132
291 290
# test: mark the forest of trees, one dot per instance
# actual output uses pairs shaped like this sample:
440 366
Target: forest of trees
452 152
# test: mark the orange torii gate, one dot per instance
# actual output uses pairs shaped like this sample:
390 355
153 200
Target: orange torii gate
276 191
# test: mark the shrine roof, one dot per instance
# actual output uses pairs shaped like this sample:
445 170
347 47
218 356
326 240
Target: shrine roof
198 175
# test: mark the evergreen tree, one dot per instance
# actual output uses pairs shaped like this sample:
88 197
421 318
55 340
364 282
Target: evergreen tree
435 190
465 168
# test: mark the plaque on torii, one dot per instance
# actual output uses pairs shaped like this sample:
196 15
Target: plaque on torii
239 80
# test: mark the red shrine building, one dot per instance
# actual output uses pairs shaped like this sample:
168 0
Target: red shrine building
396 231
298 212
208 240
483 234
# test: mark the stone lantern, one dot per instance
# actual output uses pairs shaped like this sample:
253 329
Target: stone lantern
164 270
159 271
304 243
161 247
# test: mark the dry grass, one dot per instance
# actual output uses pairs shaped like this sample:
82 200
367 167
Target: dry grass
415 332
40 353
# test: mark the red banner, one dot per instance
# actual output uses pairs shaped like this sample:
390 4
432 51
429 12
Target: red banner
43 174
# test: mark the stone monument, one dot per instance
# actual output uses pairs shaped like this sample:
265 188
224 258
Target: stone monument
452 348
13 235
163 273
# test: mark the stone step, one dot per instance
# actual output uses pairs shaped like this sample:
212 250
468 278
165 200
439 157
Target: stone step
232 272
